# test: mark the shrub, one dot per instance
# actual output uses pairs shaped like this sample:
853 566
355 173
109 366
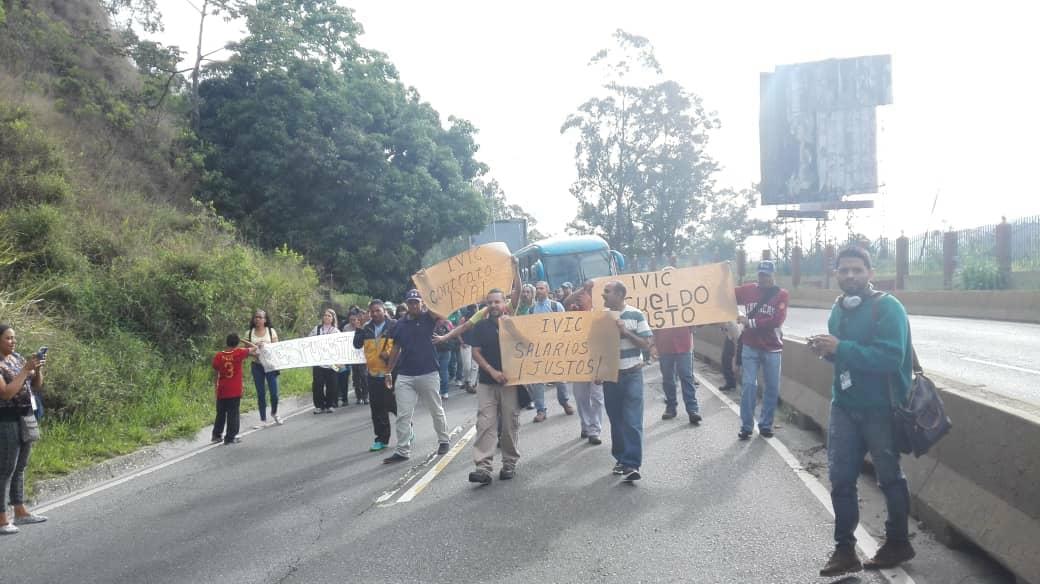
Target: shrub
983 275
31 168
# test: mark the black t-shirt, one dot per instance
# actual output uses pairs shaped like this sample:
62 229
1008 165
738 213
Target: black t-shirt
485 337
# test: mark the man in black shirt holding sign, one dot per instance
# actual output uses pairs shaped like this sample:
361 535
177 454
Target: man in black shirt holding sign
494 399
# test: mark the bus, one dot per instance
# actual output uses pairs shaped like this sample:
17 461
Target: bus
571 259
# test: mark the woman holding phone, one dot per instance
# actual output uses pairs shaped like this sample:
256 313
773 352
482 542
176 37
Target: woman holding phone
18 378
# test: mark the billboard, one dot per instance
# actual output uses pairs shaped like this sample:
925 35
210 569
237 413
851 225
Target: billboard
818 128
512 232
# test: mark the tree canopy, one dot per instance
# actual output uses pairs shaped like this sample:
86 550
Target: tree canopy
313 141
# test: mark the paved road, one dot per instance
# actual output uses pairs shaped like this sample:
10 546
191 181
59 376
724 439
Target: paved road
297 503
1001 357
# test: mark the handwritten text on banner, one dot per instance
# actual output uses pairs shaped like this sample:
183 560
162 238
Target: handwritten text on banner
560 346
678 297
334 349
466 278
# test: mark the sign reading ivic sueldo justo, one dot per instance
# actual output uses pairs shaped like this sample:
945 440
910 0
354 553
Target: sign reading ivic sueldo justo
677 297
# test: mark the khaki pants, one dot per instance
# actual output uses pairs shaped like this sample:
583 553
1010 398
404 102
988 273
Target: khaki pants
494 401
409 391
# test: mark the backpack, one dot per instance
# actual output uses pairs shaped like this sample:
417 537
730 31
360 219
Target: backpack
920 422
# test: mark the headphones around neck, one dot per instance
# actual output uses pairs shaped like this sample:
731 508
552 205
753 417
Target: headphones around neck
854 301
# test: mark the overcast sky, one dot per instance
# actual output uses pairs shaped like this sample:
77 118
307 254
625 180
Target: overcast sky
964 122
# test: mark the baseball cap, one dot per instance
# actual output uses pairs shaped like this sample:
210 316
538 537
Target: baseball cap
567 285
766 267
413 294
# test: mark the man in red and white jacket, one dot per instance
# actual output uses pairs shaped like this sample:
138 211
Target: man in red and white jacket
765 308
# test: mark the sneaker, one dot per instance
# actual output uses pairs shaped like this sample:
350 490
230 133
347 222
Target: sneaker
619 469
376 446
395 457
234 440
470 389
444 396
744 434
481 477
889 555
843 561
695 418
216 439
506 473
29 519
631 475
318 411
443 448
595 441
330 410
539 417
529 407
766 432
569 409
8 529
261 425
278 420
668 414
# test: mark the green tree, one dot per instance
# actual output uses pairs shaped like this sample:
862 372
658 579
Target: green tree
726 224
643 172
313 141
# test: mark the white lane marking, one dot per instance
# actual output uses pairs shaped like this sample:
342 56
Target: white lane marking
144 472
437 468
865 541
412 472
1002 366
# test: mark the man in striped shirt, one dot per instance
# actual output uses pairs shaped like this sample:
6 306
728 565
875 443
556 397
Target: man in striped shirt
624 398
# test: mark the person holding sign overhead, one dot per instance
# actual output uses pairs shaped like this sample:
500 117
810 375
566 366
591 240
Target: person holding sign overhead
415 360
624 397
497 401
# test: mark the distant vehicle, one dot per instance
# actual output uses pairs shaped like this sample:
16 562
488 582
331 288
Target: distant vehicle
512 232
568 259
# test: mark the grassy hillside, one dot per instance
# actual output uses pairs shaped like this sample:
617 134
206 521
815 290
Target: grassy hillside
104 257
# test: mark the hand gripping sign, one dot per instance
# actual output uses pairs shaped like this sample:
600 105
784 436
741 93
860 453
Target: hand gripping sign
678 297
335 349
466 278
560 346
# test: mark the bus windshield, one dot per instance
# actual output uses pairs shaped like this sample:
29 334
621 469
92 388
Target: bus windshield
576 268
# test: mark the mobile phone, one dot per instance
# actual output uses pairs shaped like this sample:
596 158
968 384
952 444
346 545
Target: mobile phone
41 354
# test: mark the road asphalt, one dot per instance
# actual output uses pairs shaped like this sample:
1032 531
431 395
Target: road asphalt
306 502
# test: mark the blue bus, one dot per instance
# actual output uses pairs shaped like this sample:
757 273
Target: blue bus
568 259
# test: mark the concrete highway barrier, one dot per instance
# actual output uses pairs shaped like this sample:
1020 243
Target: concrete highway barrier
980 483
1012 305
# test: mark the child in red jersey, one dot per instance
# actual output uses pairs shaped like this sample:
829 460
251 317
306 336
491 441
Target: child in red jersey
228 365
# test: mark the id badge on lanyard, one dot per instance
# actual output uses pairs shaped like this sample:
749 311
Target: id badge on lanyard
846 380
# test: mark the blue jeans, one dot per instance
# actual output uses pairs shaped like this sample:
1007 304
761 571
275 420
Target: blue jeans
537 391
259 377
752 360
443 361
682 365
624 404
853 433
455 366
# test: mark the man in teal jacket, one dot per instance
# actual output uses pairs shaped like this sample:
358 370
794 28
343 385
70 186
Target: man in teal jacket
869 344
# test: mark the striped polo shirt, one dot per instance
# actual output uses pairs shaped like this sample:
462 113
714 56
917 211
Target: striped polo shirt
635 321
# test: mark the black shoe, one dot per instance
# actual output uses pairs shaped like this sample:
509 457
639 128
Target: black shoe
595 441
695 418
215 439
890 555
584 434
506 473
480 477
443 448
766 432
843 561
668 415
234 440
631 475
619 469
744 434
395 457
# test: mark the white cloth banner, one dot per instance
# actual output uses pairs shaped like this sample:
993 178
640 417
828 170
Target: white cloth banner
334 349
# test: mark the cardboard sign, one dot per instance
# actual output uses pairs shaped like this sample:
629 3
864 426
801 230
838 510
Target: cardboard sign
466 278
334 349
560 346
678 297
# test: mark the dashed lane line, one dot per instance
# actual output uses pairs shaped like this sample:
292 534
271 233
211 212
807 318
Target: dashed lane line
865 541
